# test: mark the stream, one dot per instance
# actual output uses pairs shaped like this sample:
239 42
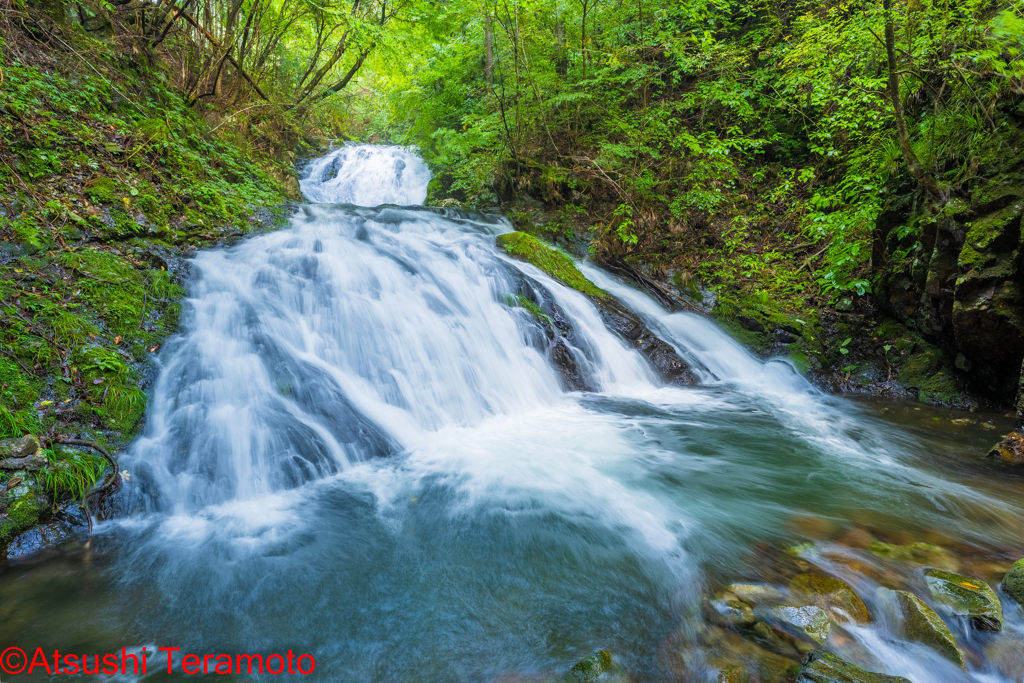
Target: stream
358 449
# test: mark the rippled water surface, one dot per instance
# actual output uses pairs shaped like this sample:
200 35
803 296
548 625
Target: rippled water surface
358 448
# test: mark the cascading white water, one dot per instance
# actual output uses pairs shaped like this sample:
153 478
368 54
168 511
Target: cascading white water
359 447
366 175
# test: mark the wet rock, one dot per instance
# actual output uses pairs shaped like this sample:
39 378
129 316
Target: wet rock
41 537
834 596
624 322
1010 450
725 609
922 625
825 667
755 594
661 355
25 453
599 667
810 623
1013 582
967 597
921 553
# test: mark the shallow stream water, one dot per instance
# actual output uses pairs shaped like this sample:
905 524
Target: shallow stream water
358 449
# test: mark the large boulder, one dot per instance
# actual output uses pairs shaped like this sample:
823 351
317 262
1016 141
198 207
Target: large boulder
922 625
967 597
825 667
1013 582
834 596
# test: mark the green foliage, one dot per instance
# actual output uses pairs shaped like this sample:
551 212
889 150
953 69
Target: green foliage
70 473
745 129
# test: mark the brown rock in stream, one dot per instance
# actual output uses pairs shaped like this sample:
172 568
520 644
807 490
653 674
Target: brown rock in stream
1010 450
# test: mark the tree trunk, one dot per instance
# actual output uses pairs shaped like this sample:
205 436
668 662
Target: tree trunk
913 163
488 50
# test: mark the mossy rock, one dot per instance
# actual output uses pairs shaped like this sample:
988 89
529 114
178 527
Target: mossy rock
971 598
833 595
100 190
556 264
1013 582
599 667
825 667
922 625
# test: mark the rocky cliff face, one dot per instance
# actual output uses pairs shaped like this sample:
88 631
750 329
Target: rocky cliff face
960 283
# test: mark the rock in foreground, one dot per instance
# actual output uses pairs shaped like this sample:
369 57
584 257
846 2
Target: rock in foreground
834 596
922 625
1013 582
825 667
971 598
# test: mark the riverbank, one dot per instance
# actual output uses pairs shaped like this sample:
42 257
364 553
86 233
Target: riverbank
110 183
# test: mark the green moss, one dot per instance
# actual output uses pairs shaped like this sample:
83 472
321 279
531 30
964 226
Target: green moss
921 367
801 361
941 387
922 625
556 264
23 511
890 329
534 310
100 190
1013 582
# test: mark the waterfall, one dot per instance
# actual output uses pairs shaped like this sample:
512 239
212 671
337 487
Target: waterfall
360 446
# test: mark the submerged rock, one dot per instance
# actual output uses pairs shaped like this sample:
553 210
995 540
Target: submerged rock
922 553
806 623
755 594
825 667
725 609
1013 582
1010 450
835 596
967 597
922 625
599 667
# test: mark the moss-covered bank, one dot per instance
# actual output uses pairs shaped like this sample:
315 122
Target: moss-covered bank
107 183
